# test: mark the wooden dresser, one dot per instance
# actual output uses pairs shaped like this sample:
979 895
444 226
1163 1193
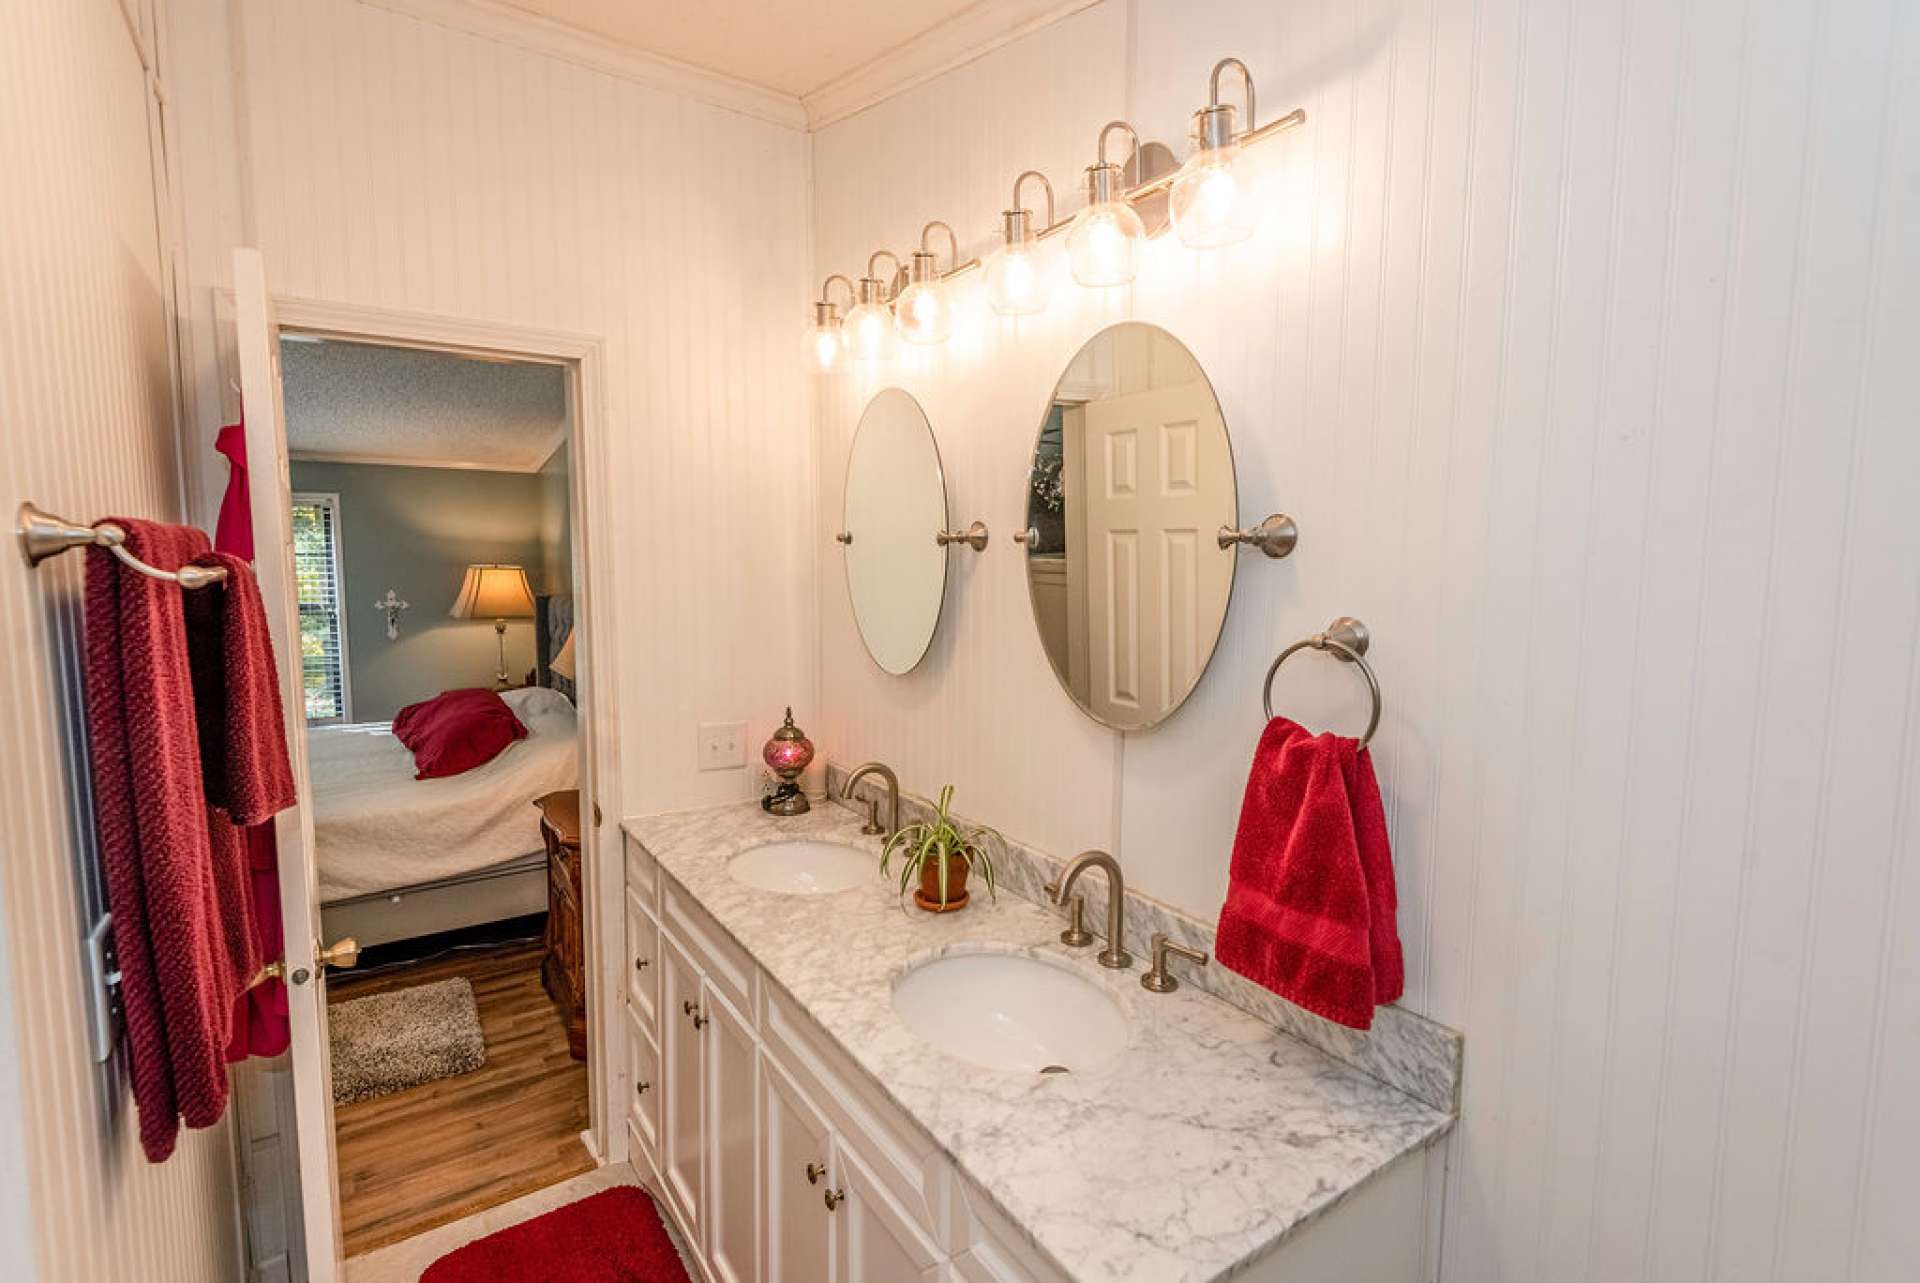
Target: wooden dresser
564 969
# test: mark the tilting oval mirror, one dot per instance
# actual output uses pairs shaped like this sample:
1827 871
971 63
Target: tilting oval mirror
896 503
1132 479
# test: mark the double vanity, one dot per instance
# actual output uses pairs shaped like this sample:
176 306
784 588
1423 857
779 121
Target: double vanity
827 1085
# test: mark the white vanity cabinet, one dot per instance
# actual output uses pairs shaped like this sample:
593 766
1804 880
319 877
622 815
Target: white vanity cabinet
781 1161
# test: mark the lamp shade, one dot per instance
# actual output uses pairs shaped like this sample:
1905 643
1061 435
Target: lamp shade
493 592
563 662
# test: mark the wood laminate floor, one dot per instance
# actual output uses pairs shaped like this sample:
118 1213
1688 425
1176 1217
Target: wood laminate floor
433 1154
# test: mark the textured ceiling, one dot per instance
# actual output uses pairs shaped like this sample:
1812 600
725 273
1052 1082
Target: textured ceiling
790 46
398 405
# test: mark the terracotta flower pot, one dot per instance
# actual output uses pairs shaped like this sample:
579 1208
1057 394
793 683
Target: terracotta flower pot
928 896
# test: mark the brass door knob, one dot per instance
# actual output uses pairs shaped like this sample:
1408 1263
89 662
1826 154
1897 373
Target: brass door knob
341 953
814 1172
835 1197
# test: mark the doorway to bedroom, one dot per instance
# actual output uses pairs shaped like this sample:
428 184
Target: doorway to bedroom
432 536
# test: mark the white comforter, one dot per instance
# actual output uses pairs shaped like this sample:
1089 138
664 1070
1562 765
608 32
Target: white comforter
376 827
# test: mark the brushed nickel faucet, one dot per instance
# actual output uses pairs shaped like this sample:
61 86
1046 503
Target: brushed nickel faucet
873 825
1115 954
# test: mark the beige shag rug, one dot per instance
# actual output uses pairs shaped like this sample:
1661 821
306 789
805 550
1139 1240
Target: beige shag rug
391 1041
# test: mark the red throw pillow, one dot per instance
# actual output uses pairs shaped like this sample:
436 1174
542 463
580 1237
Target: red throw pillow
456 731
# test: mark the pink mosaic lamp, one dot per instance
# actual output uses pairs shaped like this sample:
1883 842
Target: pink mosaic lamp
787 755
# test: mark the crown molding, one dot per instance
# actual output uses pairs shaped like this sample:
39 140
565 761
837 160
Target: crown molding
954 43
507 25
959 40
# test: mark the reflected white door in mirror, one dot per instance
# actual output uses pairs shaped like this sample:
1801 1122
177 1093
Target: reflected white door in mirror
1132 526
892 532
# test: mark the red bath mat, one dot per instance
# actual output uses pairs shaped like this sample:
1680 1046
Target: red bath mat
614 1236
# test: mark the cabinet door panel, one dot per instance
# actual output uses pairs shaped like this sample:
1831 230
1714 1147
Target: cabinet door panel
874 1240
798 1225
732 1103
680 1046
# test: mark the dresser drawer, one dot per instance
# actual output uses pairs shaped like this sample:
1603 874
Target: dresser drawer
643 966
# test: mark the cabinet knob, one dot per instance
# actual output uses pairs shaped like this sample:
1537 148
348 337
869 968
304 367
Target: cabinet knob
835 1197
700 1022
814 1172
641 1089
686 1007
640 964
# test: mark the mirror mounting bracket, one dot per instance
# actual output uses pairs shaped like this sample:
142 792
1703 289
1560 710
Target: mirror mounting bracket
1276 536
974 536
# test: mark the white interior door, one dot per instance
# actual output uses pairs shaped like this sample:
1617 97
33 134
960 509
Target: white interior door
258 345
1155 574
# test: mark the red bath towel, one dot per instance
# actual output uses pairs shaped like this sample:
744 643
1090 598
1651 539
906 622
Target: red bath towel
1310 902
175 868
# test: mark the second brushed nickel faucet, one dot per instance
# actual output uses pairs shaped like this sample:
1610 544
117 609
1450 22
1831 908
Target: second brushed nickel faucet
885 772
1115 954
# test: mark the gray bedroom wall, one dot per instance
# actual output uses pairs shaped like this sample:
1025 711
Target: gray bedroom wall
556 539
415 530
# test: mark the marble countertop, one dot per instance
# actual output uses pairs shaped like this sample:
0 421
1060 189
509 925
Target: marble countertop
1199 1148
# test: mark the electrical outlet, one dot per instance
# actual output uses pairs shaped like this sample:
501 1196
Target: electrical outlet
723 745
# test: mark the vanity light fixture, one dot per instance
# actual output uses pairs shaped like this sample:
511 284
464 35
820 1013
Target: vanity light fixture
923 311
1104 242
828 337
1213 200
869 325
1014 284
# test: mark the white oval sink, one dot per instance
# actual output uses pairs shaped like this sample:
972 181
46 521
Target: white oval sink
803 867
1010 1011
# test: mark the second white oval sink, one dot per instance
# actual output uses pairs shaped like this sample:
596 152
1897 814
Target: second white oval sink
803 867
1011 1011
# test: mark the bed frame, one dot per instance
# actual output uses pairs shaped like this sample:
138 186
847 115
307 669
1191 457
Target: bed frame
513 889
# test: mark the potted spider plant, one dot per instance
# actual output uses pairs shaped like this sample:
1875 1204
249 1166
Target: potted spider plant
940 854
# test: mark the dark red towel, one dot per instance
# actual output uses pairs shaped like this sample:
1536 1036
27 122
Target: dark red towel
1310 901
260 1014
175 868
236 691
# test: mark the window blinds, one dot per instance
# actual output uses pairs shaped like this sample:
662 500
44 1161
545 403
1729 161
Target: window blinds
316 568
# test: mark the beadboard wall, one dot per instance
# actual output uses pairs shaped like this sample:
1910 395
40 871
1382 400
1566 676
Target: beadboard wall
1579 341
86 404
379 158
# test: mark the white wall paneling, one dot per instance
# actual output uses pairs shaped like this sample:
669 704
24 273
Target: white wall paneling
1574 341
87 404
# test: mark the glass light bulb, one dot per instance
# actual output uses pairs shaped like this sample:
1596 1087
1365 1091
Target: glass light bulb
1014 284
826 343
1213 199
923 314
1103 243
869 332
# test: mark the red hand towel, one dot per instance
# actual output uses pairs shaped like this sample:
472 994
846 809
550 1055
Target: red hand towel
260 1014
1310 901
180 917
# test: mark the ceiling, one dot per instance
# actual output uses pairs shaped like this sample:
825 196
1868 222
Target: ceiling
359 403
792 47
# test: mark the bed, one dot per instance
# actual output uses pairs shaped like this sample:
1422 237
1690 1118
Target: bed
398 857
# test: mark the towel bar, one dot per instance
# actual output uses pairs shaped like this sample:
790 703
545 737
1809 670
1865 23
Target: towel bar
43 535
1346 639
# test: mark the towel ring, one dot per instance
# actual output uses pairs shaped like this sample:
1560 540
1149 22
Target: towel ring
1346 639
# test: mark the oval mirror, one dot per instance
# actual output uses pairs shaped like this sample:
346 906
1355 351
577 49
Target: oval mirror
1131 481
896 503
